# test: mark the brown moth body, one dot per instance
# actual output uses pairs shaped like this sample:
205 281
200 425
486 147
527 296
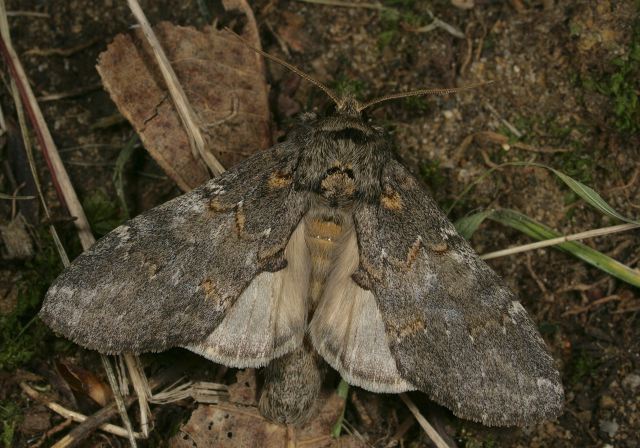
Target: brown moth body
323 248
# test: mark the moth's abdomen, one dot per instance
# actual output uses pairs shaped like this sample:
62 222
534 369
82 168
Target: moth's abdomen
324 234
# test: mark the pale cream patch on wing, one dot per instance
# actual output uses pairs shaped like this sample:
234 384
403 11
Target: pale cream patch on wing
347 329
268 320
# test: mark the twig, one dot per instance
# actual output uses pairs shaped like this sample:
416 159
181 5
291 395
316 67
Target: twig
61 51
42 15
83 430
6 40
59 175
560 240
120 403
511 127
186 112
56 429
141 386
430 430
73 415
589 306
436 23
374 6
58 172
13 197
406 424
69 93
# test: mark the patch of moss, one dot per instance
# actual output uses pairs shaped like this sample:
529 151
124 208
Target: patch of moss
467 439
22 335
582 366
104 213
431 173
344 86
416 104
622 85
578 164
10 416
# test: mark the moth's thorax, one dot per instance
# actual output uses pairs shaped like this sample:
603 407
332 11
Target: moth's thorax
326 230
341 159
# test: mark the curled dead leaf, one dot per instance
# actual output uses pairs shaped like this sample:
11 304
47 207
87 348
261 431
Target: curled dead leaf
85 382
223 80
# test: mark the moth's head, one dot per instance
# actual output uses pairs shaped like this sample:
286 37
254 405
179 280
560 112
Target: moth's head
348 105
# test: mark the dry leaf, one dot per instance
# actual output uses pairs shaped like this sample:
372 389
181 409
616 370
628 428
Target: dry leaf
16 241
234 425
243 391
85 382
223 80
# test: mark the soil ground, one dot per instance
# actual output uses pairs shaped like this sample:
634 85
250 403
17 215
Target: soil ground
565 77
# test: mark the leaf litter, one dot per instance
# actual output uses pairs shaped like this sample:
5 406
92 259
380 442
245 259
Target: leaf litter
222 78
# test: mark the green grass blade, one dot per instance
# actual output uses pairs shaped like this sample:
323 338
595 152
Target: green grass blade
468 225
343 391
118 173
588 194
534 229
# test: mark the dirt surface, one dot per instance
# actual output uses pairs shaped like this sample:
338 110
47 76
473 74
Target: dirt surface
564 93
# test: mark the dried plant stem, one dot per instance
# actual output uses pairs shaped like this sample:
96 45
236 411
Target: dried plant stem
186 112
59 175
86 428
374 6
58 172
560 240
141 386
430 430
75 416
436 23
122 407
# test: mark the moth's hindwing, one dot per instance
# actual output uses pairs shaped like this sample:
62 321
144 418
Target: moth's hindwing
454 329
168 277
347 328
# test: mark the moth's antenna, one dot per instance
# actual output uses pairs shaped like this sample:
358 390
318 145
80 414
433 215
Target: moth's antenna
421 92
330 93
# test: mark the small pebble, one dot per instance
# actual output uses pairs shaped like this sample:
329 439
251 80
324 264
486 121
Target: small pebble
607 402
631 381
609 427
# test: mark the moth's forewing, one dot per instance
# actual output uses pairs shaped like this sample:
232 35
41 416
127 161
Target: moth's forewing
169 276
455 330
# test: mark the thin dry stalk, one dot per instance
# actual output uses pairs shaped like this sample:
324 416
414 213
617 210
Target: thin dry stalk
559 240
122 407
141 386
430 430
58 172
201 392
186 112
73 415
4 31
374 6
59 175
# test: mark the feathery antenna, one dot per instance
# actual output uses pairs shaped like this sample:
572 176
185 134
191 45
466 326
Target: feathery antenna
341 102
330 93
421 92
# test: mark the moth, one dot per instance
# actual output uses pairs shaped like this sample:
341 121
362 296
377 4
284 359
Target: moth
321 250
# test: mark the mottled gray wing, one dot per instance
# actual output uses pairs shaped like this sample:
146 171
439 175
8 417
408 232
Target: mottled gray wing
168 277
455 330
